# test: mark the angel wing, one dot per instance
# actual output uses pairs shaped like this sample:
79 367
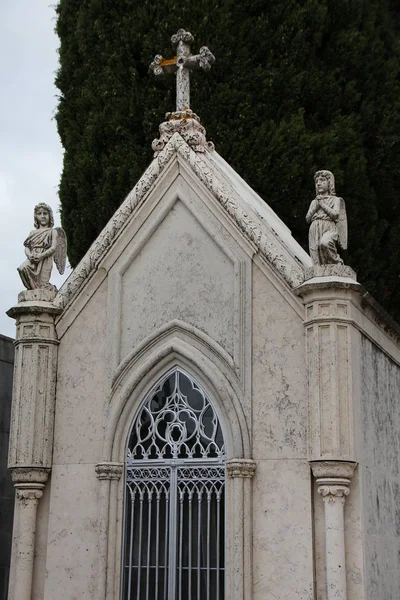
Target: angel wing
342 226
60 255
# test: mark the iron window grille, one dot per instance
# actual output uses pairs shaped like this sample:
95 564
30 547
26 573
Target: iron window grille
174 503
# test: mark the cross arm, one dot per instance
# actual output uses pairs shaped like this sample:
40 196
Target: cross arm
162 66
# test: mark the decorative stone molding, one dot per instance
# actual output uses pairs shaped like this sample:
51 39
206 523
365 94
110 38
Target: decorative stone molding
330 271
265 241
333 470
109 470
241 467
37 307
41 295
29 476
187 124
26 494
379 316
331 493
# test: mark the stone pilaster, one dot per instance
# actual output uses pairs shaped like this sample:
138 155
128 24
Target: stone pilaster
239 528
333 484
108 474
32 425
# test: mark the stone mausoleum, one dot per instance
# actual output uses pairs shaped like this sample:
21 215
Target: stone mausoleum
201 412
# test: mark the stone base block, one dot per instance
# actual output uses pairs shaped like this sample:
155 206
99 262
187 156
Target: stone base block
330 271
41 295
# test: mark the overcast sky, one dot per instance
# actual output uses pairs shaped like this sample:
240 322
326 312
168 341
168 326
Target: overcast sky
30 150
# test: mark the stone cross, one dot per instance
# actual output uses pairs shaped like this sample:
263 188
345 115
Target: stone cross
181 64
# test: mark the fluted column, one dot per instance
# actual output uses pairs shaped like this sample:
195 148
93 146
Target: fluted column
108 474
239 528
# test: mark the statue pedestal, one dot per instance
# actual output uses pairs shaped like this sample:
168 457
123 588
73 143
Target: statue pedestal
330 271
331 344
32 424
39 295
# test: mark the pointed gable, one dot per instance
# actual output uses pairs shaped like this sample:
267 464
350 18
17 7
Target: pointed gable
254 219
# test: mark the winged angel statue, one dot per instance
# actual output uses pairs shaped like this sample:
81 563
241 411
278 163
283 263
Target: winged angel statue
43 245
328 222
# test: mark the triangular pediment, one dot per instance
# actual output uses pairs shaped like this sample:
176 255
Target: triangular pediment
254 219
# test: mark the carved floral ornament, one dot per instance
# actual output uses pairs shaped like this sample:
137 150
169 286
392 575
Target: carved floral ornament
109 470
331 493
241 467
27 495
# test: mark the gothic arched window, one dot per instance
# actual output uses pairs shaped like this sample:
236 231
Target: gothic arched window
174 505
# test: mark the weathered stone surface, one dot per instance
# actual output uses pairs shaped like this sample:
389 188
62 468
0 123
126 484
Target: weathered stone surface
35 367
187 124
330 271
196 272
38 295
380 467
182 64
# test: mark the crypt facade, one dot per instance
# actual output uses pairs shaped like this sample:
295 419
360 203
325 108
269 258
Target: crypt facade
200 411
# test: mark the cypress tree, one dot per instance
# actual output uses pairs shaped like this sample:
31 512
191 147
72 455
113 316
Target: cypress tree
297 85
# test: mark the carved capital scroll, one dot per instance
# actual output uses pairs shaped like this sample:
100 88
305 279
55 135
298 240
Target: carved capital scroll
109 470
241 467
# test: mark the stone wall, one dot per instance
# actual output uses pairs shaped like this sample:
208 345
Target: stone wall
6 487
380 471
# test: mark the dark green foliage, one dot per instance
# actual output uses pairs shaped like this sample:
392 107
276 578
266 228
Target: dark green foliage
298 85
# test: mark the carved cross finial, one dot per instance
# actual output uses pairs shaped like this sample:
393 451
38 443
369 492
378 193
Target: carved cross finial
181 64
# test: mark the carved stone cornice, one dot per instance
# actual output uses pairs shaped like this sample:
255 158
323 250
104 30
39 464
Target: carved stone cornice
266 242
109 470
241 467
380 317
36 307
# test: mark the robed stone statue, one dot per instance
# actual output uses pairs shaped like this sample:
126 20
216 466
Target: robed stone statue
43 245
328 222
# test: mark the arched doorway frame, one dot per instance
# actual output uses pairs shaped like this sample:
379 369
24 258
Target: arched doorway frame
221 385
177 464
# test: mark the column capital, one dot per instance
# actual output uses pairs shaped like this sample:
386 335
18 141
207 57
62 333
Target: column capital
333 492
109 470
29 476
27 493
333 479
241 467
333 469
